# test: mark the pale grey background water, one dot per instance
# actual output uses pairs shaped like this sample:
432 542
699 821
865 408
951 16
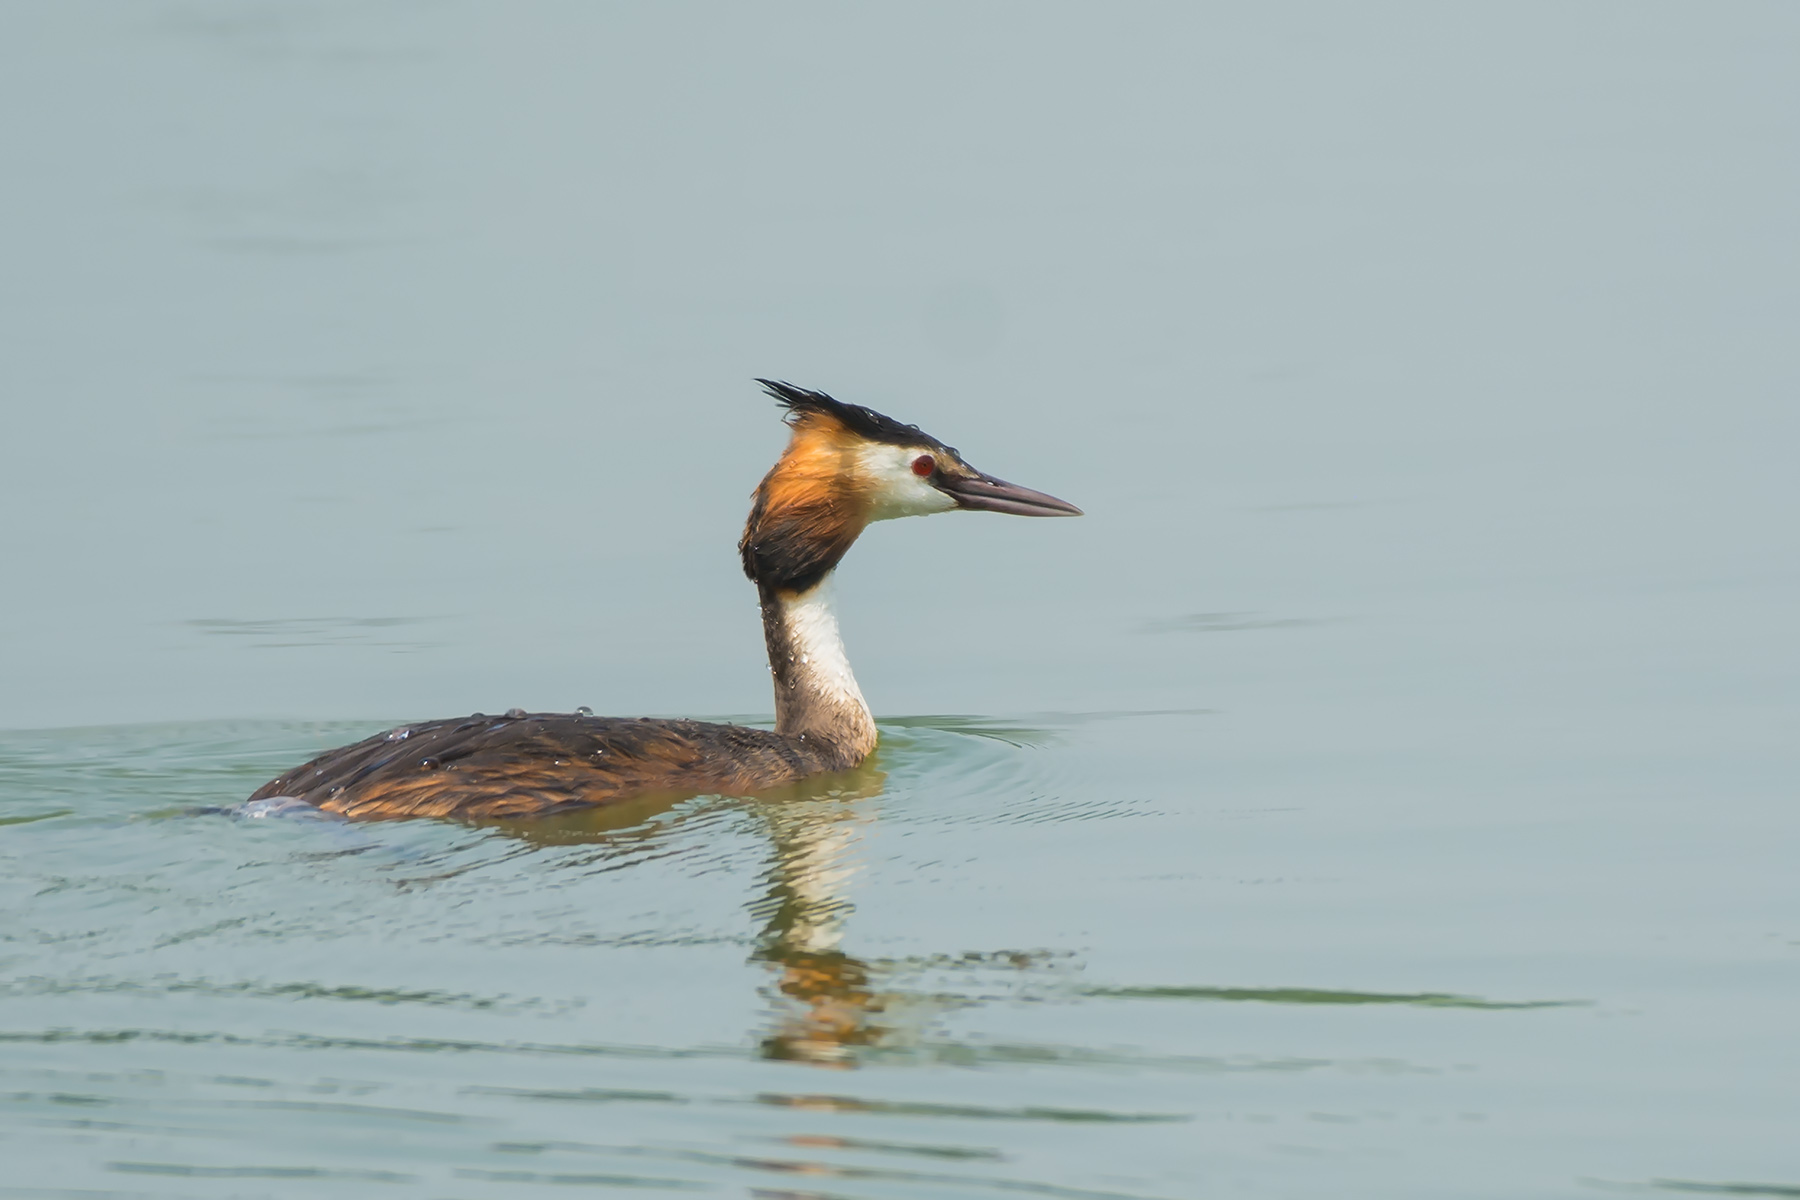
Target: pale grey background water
1427 373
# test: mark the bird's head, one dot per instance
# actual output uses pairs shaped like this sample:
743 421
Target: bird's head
845 466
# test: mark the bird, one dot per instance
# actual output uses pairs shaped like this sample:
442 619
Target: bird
844 467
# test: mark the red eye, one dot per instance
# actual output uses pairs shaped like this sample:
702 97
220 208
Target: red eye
924 465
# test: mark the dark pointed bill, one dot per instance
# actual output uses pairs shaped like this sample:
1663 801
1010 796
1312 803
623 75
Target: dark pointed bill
984 493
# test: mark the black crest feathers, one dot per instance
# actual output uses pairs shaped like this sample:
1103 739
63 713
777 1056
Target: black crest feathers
864 422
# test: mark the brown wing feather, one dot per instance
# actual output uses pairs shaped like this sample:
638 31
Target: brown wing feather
508 766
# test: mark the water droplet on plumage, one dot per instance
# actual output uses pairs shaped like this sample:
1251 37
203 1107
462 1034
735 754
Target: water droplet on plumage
400 734
428 762
515 713
584 711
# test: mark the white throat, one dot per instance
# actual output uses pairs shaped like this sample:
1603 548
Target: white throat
817 702
817 649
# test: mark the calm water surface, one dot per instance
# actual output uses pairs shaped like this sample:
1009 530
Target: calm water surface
1388 789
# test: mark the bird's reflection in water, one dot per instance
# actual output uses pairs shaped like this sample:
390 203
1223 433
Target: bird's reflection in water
825 1006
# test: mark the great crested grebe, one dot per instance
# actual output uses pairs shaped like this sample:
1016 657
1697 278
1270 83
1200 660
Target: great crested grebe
844 467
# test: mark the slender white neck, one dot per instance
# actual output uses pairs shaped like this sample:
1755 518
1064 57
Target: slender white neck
813 635
816 697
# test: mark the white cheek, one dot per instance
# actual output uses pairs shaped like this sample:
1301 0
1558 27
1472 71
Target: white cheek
897 492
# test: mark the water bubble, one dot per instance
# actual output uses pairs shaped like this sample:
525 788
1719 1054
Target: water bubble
428 762
400 734
515 713
584 711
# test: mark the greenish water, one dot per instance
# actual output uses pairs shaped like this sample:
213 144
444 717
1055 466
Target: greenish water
1387 789
1041 956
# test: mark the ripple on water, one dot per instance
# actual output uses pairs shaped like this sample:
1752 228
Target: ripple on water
197 1003
1726 1189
